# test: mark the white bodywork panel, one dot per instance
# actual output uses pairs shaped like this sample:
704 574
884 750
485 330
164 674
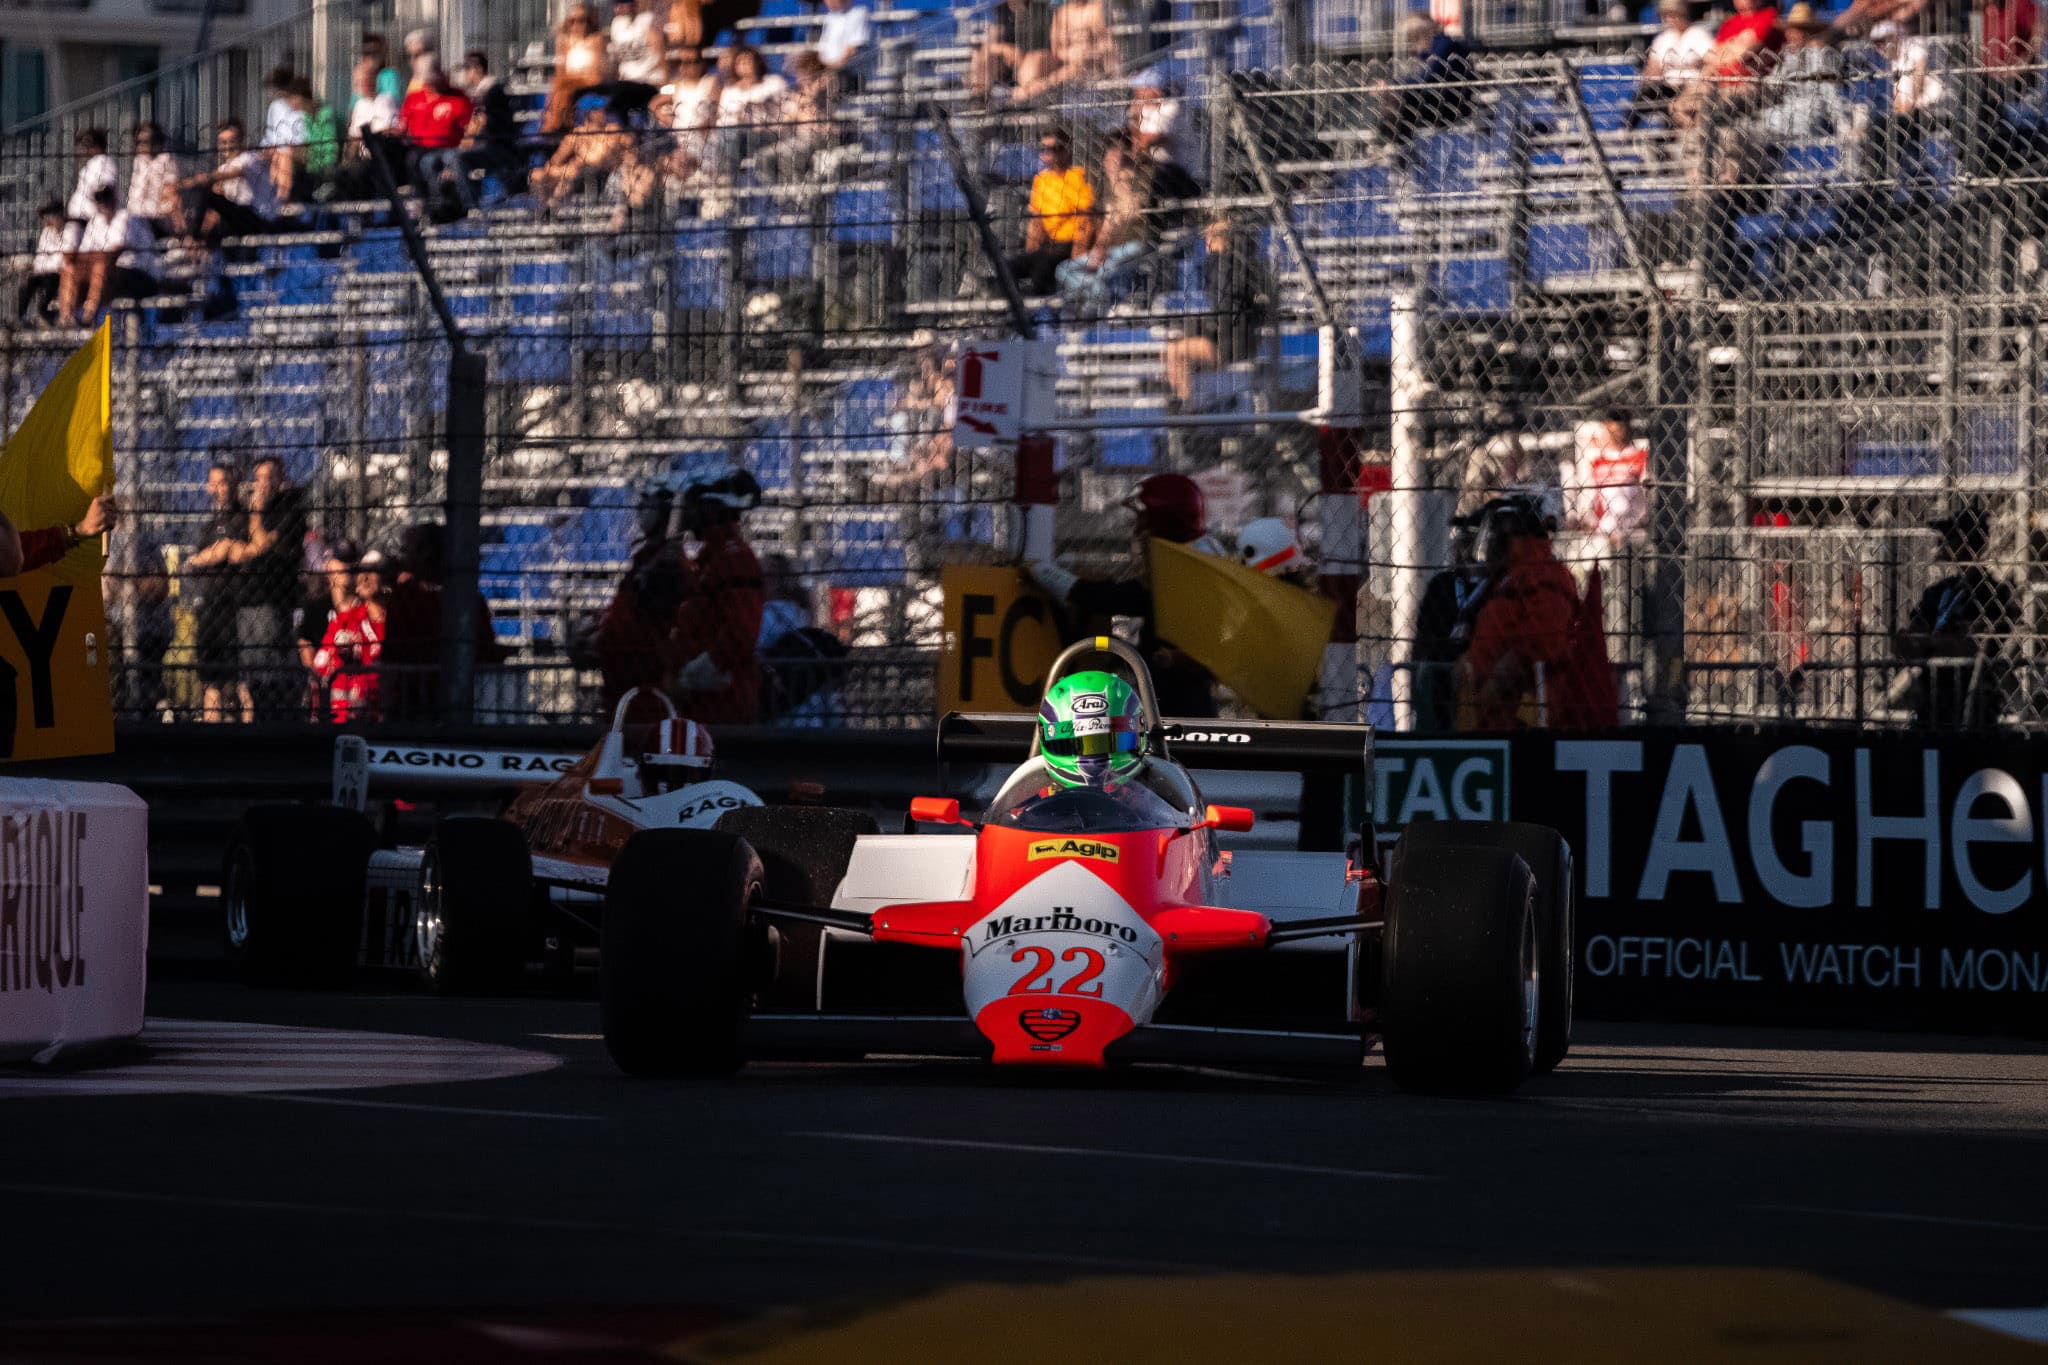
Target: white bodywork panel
898 869
1063 914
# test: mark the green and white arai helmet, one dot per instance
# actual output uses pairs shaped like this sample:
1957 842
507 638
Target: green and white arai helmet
1092 729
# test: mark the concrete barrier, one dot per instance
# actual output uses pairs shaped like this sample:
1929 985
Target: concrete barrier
74 916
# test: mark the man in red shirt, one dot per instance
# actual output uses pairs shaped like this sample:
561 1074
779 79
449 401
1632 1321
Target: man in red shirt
433 118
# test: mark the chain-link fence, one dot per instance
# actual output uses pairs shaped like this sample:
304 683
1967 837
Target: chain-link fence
1744 340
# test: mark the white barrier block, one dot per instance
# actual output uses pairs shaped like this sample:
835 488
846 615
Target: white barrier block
74 916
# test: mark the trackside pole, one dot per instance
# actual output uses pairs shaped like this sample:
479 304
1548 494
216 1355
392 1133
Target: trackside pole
1036 495
1405 554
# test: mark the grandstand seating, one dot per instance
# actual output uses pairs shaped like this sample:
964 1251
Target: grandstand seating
331 353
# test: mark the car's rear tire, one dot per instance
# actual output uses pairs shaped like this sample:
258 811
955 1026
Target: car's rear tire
1459 996
804 850
292 893
677 964
473 915
1550 861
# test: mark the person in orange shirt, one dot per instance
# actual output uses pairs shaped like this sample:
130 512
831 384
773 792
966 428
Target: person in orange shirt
1063 216
1524 619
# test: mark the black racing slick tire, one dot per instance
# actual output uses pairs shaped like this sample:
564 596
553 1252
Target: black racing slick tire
1458 996
1550 861
804 850
676 965
292 894
473 916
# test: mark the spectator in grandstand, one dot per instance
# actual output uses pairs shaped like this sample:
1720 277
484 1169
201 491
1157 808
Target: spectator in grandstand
1126 226
387 83
211 582
1162 135
96 171
284 132
322 152
422 59
582 61
1240 295
601 159
808 116
1165 507
153 182
1603 484
434 117
2011 40
1506 457
752 94
635 44
692 111
1678 54
491 142
843 35
236 197
1016 47
115 258
1920 93
1802 94
1745 46
1521 645
921 435
1435 90
1081 51
1061 218
1957 631
36 297
371 115
718 626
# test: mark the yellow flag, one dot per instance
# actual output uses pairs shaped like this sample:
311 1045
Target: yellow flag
1261 637
56 697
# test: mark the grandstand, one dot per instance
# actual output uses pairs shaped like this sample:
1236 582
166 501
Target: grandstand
1827 340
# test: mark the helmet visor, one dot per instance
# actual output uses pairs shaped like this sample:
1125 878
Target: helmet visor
1104 736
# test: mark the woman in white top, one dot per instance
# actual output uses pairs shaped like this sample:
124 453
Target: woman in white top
153 182
692 110
56 239
116 252
1678 54
95 172
753 94
636 43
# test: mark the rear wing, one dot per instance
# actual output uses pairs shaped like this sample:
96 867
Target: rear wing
363 766
1287 746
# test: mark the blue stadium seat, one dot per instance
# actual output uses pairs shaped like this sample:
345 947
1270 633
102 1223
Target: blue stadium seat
862 216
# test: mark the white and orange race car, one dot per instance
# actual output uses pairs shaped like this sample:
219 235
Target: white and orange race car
1091 925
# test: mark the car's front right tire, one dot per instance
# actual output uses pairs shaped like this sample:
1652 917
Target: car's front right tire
676 959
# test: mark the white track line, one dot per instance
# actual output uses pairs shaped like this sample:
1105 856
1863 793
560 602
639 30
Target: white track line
1887 1216
280 1206
2028 1324
455 1110
1151 1158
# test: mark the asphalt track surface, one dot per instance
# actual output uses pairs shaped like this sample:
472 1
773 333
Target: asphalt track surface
1910 1165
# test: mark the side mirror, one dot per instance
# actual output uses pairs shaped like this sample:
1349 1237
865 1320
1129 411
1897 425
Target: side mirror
1230 819
936 810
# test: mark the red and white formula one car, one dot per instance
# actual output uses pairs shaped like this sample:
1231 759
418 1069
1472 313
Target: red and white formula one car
1082 926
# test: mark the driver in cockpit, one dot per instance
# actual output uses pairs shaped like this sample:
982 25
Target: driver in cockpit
1094 733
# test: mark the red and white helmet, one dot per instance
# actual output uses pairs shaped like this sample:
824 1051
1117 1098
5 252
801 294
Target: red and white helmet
1269 545
680 743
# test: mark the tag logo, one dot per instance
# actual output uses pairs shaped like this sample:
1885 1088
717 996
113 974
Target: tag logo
1049 1025
1073 848
1091 704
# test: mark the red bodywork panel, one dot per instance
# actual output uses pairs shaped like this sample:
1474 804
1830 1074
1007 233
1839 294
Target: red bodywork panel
1054 980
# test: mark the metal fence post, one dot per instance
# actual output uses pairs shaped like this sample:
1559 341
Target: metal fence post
1663 603
468 382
